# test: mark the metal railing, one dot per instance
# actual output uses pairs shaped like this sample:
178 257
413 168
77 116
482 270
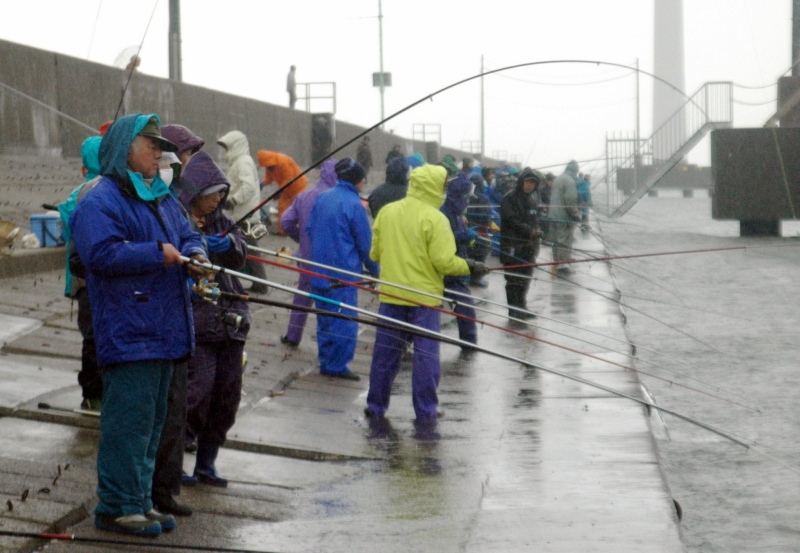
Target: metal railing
634 166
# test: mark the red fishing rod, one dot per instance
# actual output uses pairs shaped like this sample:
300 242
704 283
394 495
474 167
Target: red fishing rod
403 325
136 545
527 323
340 282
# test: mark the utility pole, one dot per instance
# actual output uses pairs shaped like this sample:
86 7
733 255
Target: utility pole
796 38
175 60
380 40
483 128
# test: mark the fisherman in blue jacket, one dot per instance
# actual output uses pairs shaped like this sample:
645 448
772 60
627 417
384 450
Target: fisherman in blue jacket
130 234
340 237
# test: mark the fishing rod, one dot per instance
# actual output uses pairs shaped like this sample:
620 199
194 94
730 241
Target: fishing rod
135 544
133 62
618 302
455 341
430 97
442 298
617 257
635 346
502 328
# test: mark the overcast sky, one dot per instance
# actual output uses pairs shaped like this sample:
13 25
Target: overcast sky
542 115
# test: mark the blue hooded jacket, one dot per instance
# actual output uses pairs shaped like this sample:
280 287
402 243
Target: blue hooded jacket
340 234
141 310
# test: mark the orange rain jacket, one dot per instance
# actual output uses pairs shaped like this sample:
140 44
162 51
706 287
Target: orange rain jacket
281 169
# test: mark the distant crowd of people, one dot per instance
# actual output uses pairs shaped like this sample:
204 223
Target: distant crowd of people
164 366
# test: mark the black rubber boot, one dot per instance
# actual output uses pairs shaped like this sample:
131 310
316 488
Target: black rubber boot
204 469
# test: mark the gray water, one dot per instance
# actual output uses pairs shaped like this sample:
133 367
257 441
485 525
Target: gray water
743 305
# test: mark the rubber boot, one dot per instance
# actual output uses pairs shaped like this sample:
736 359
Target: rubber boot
204 469
513 290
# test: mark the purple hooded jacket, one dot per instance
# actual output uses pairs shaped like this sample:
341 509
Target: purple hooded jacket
294 219
200 173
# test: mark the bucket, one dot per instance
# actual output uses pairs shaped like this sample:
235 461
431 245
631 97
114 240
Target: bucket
47 228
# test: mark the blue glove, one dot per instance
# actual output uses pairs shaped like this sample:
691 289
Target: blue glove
190 284
218 244
472 234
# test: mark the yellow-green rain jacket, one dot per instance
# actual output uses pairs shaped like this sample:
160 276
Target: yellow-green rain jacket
413 242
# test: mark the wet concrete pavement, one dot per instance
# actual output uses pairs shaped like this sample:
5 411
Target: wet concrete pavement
523 460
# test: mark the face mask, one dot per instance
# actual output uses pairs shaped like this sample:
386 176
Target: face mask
166 175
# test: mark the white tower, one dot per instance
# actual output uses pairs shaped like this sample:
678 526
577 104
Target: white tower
668 61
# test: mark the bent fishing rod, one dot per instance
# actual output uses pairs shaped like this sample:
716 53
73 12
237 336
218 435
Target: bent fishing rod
403 325
525 322
316 163
502 328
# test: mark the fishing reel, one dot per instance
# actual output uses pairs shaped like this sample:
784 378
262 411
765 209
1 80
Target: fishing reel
254 230
231 319
209 291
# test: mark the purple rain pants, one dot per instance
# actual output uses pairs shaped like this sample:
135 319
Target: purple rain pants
467 330
214 390
297 320
389 347
336 338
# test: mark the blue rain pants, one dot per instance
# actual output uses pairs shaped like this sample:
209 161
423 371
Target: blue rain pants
134 410
336 338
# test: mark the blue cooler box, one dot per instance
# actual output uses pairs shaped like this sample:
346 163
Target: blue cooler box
47 228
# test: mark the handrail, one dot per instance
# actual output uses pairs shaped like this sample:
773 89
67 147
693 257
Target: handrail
708 108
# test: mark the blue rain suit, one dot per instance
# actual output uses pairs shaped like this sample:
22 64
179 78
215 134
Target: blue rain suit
458 194
141 312
340 237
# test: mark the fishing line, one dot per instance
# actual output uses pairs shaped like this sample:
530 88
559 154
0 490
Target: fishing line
442 298
441 90
51 108
510 331
439 336
133 64
478 308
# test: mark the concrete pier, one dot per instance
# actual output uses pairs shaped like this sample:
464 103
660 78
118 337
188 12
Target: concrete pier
524 460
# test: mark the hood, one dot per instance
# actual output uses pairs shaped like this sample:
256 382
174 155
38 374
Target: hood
267 158
415 160
114 150
236 144
397 172
526 173
182 137
327 175
427 184
572 169
478 180
200 173
90 151
458 192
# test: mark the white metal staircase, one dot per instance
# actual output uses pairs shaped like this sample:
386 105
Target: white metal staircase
711 107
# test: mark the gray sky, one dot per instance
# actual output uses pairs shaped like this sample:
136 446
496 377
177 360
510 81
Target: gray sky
543 115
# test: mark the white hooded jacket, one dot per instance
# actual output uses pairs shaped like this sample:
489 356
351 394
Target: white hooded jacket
242 174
